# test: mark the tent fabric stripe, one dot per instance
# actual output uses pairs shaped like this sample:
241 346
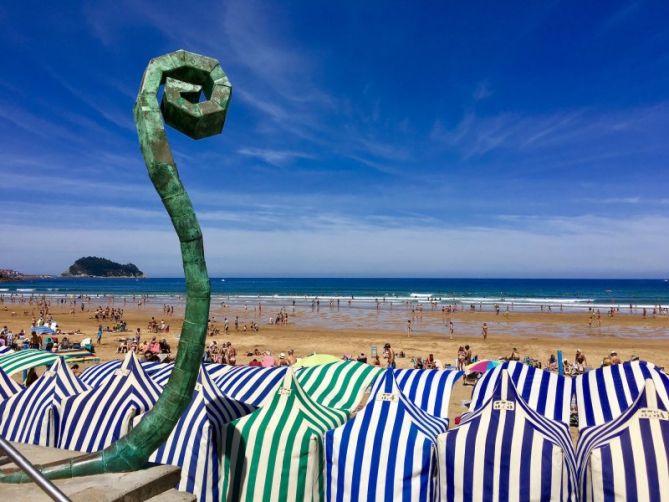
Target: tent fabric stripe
276 453
628 458
95 375
604 393
108 410
194 442
8 387
338 385
507 451
547 393
428 389
387 452
33 415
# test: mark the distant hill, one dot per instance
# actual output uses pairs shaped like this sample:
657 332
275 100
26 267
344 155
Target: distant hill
92 266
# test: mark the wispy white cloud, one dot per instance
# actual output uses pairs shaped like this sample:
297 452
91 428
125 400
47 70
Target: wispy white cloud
276 157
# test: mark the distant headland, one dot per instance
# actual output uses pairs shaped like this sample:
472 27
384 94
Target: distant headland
92 266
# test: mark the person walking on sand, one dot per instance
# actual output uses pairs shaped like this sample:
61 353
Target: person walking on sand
391 356
409 327
484 331
100 334
451 330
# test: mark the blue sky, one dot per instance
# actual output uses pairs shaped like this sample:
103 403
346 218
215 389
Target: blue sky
377 138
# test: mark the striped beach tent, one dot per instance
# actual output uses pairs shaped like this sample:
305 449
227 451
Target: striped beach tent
505 450
33 415
428 389
8 387
338 385
95 375
604 393
194 444
387 452
276 452
550 394
4 350
248 384
95 419
628 458
26 359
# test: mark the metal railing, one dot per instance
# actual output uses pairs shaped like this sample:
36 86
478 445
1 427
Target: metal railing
24 464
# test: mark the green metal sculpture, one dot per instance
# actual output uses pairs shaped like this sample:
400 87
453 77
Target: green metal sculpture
195 101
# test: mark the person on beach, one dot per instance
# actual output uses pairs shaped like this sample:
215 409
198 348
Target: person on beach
468 355
462 354
614 358
75 370
100 334
451 329
390 354
579 361
515 356
409 327
484 331
291 357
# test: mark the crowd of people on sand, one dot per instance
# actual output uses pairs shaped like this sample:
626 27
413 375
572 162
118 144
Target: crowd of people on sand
150 350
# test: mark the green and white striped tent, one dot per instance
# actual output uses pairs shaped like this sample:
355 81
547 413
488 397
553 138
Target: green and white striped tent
276 452
26 359
339 385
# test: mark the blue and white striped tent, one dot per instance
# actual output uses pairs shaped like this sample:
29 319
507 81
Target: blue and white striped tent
8 387
387 452
95 375
248 384
507 451
628 458
428 389
33 415
107 410
194 444
547 393
4 350
605 393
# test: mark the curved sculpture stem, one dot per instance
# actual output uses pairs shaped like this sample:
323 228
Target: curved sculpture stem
187 78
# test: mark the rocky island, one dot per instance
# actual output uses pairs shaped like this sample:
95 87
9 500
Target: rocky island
92 266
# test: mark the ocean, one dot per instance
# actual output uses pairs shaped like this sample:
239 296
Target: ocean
567 294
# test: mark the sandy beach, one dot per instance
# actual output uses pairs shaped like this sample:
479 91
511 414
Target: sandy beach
351 330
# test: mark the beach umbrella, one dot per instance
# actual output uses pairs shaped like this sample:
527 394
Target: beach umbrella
547 393
339 385
33 415
430 390
275 453
194 444
505 450
315 360
482 366
628 457
107 410
387 452
26 359
267 361
605 393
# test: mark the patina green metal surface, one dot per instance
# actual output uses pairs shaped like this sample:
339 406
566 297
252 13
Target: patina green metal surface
195 100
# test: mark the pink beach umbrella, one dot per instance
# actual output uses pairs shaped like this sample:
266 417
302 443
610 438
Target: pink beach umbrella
482 366
267 361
